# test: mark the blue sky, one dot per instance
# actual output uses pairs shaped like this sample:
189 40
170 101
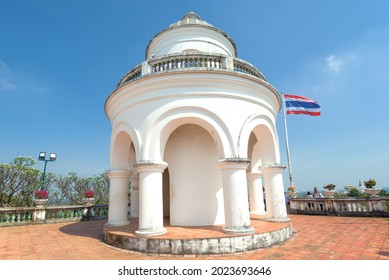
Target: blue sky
59 60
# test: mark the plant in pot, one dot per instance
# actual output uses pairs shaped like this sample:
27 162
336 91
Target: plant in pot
88 201
369 187
88 197
329 190
40 197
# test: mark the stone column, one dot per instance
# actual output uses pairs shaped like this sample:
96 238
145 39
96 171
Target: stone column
118 197
134 208
150 198
274 188
236 208
255 187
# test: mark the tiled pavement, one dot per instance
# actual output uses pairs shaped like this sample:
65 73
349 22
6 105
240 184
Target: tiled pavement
315 238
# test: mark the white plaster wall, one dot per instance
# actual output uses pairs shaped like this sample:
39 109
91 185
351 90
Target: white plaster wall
208 114
196 194
227 106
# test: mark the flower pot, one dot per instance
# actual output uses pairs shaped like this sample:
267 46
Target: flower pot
88 201
373 192
40 202
292 194
329 193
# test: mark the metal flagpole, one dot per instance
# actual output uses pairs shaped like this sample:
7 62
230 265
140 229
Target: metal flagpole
287 142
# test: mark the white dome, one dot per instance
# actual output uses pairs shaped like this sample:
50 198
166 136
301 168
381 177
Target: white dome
189 35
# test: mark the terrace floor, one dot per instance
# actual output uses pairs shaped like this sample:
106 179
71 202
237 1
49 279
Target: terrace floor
314 238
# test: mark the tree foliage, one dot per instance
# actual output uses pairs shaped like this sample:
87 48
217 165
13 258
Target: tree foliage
354 192
72 188
19 179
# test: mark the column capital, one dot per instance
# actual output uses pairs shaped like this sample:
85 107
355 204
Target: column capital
116 173
149 166
273 168
233 163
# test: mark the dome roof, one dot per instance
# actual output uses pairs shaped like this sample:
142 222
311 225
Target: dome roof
190 18
195 30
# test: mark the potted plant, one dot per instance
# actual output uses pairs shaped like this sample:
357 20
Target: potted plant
88 197
329 190
40 197
369 187
292 193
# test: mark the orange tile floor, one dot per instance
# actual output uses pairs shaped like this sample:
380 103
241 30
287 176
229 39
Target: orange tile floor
315 238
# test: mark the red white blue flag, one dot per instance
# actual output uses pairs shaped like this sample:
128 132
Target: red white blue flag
296 105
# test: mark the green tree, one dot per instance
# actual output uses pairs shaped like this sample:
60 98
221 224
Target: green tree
18 180
100 185
71 188
383 193
354 192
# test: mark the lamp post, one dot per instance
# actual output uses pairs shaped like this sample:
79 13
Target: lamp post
42 157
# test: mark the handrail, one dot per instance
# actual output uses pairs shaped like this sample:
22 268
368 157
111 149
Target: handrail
352 206
195 60
51 214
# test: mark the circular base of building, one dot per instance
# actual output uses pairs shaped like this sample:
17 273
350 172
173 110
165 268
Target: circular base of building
199 240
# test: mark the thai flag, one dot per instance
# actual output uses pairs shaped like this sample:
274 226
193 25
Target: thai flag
295 104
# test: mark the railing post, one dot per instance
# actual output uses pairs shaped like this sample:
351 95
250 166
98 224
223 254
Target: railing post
39 214
146 68
228 63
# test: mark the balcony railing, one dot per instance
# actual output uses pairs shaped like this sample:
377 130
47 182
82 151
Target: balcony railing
51 214
199 61
365 207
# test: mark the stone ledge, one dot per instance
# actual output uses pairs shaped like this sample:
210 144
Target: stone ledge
198 246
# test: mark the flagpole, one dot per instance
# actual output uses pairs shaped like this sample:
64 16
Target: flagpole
287 142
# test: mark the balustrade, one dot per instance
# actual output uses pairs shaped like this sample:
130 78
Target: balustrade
185 61
17 215
374 206
246 68
132 75
25 215
179 62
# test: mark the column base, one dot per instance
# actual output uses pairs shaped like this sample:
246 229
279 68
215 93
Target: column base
151 232
240 230
116 224
279 220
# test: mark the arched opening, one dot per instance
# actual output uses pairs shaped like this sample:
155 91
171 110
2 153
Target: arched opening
261 150
261 147
195 184
121 156
122 160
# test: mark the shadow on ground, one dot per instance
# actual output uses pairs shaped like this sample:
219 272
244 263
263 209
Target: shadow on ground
91 229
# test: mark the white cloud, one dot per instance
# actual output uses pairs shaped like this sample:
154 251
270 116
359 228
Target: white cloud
3 65
6 84
12 81
334 64
6 77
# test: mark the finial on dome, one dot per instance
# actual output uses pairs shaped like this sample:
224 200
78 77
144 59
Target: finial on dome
191 15
190 18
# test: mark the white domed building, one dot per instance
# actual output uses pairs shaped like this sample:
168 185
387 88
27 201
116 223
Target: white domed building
194 131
